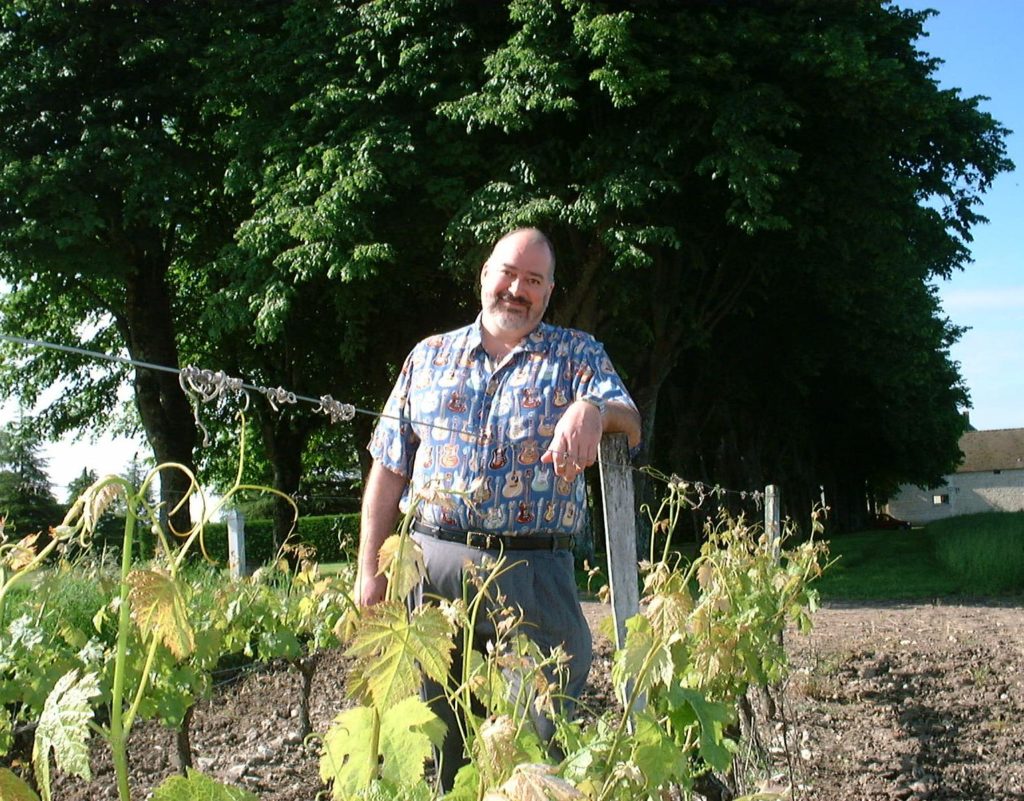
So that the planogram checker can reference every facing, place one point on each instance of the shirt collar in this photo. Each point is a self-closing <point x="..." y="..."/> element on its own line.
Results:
<point x="537" y="341"/>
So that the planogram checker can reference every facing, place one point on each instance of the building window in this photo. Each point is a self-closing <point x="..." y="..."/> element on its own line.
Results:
<point x="940" y="500"/>
<point x="996" y="472"/>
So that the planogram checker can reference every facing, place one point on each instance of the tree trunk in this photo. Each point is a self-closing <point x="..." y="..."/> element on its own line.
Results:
<point x="148" y="328"/>
<point x="306" y="667"/>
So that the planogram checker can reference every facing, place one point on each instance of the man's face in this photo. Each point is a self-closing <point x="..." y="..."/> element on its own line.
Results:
<point x="515" y="285"/>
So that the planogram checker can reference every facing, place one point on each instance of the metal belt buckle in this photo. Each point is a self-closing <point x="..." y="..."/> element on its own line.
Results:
<point x="482" y="539"/>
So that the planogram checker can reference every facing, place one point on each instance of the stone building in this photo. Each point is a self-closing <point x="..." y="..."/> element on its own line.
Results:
<point x="989" y="479"/>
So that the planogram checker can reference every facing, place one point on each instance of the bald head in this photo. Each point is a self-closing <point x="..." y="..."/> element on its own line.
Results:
<point x="530" y="237"/>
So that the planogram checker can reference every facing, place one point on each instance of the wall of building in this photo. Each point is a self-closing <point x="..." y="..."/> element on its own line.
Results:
<point x="967" y="493"/>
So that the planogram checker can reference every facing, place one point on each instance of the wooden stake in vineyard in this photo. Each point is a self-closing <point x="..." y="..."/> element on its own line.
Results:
<point x="620" y="530"/>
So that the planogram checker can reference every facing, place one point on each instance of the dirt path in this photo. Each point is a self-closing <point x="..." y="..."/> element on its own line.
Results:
<point x="901" y="701"/>
<point x="886" y="701"/>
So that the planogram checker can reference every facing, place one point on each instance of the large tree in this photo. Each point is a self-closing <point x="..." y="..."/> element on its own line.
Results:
<point x="735" y="185"/>
<point x="111" y="193"/>
<point x="748" y="202"/>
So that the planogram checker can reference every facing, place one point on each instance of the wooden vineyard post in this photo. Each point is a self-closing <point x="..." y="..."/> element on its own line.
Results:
<point x="236" y="544"/>
<point x="620" y="538"/>
<point x="773" y="519"/>
<point x="619" y="530"/>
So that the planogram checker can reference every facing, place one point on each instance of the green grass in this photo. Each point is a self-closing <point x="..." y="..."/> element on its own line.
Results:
<point x="991" y="559"/>
<point x="967" y="556"/>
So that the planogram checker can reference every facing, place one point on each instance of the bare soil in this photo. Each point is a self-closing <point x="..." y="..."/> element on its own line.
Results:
<point x="886" y="701"/>
<point x="907" y="702"/>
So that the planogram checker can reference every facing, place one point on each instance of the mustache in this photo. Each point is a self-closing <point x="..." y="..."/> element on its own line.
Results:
<point x="508" y="297"/>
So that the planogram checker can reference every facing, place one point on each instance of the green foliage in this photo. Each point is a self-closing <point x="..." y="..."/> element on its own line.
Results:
<point x="393" y="650"/>
<point x="197" y="787"/>
<point x="145" y="637"/>
<point x="254" y="187"/>
<point x="26" y="500"/>
<point x="707" y="631"/>
<point x="111" y="196"/>
<point x="353" y="743"/>
<point x="6" y="731"/>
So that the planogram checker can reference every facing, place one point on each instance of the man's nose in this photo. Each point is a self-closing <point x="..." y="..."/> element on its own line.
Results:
<point x="514" y="285"/>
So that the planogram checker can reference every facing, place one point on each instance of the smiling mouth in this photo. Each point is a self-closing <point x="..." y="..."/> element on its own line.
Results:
<point x="514" y="302"/>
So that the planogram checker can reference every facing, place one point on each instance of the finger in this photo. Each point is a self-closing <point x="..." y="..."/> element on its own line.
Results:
<point x="563" y="466"/>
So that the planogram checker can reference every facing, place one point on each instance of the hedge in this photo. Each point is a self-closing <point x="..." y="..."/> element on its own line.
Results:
<point x="335" y="537"/>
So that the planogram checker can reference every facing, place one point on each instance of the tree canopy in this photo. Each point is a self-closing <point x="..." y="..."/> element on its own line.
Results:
<point x="750" y="203"/>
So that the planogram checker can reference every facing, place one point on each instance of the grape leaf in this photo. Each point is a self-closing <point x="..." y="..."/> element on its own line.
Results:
<point x="392" y="647"/>
<point x="407" y="731"/>
<point x="489" y="685"/>
<point x="64" y="727"/>
<point x="715" y="747"/>
<point x="97" y="500"/>
<point x="402" y="559"/>
<point x="705" y="574"/>
<point x="643" y="648"/>
<point x="158" y="609"/>
<point x="198" y="787"/>
<point x="668" y="612"/>
<point x="534" y="783"/>
<point x="654" y="752"/>
<point x="22" y="554"/>
<point x="13" y="788"/>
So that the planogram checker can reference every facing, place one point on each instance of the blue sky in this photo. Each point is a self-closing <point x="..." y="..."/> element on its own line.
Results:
<point x="980" y="43"/>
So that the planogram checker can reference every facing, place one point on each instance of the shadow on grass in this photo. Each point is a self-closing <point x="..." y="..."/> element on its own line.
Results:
<point x="898" y="565"/>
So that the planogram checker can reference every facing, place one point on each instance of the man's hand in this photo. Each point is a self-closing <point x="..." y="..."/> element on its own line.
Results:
<point x="574" y="444"/>
<point x="371" y="589"/>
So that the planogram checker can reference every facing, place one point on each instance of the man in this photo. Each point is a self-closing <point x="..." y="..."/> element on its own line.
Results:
<point x="508" y="410"/>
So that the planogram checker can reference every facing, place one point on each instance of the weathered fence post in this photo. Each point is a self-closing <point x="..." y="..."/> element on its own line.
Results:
<point x="619" y="530"/>
<point x="236" y="544"/>
<point x="772" y="518"/>
<point x="620" y="540"/>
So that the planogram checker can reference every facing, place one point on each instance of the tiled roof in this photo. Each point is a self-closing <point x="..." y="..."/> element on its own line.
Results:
<point x="1001" y="449"/>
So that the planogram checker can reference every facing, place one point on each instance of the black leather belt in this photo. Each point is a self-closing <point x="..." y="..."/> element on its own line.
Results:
<point x="494" y="542"/>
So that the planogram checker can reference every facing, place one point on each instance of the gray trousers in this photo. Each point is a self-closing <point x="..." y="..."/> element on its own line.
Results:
<point x="543" y="585"/>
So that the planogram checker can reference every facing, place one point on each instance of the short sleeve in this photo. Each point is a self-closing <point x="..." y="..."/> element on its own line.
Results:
<point x="597" y="377"/>
<point x="394" y="442"/>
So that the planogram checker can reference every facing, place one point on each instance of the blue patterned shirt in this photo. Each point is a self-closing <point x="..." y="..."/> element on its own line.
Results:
<point x="453" y="423"/>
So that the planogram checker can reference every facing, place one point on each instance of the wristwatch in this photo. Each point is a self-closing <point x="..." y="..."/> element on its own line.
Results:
<point x="600" y="403"/>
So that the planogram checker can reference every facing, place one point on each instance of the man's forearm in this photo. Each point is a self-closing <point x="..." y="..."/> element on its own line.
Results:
<point x="622" y="419"/>
<point x="379" y="514"/>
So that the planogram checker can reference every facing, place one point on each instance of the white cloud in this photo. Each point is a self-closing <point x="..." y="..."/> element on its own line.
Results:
<point x="957" y="301"/>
